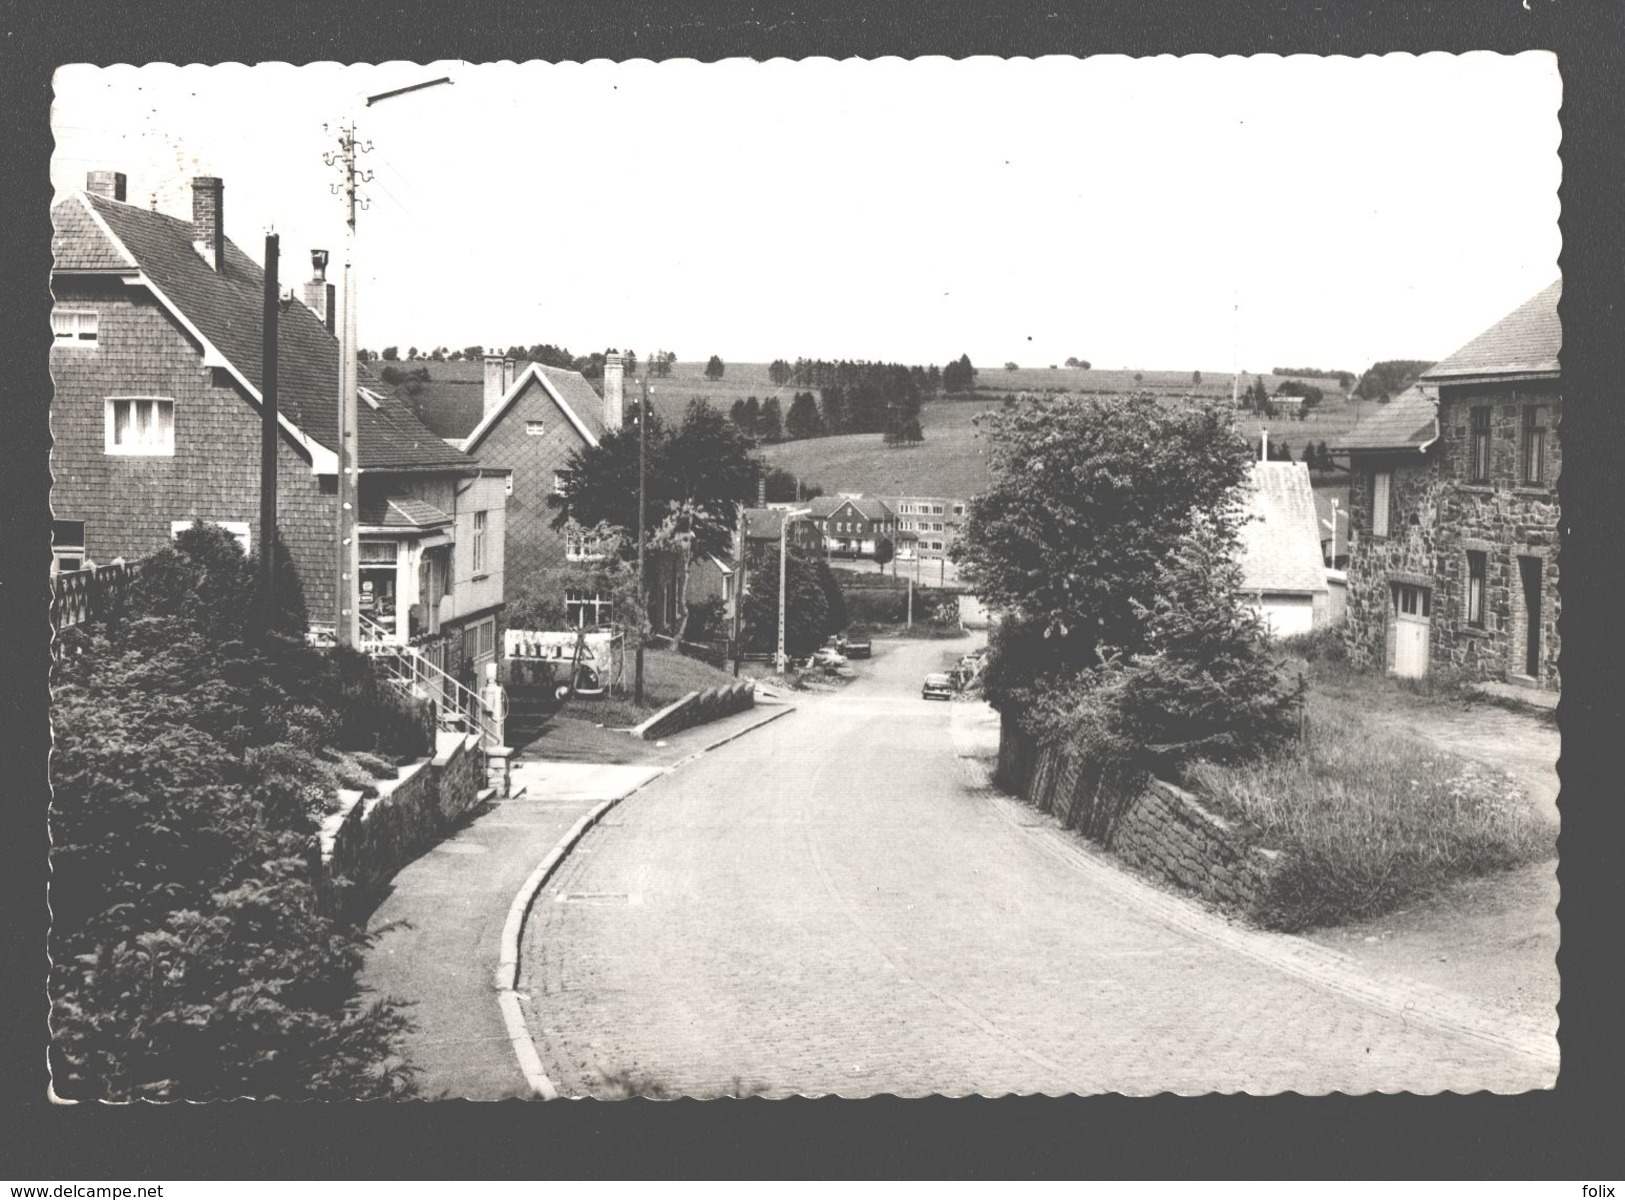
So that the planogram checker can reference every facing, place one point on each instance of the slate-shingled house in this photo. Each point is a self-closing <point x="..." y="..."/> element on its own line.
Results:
<point x="156" y="421"/>
<point x="526" y="418"/>
<point x="1454" y="514"/>
<point x="1283" y="571"/>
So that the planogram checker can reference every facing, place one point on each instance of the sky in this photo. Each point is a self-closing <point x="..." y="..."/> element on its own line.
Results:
<point x="1159" y="213"/>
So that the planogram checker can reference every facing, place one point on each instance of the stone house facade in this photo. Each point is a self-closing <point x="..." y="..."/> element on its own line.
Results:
<point x="1455" y="516"/>
<point x="156" y="418"/>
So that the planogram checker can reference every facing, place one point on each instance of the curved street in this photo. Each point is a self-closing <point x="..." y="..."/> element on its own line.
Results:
<point x="838" y="903"/>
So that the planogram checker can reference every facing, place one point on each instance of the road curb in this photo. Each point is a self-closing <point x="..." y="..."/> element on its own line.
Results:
<point x="507" y="972"/>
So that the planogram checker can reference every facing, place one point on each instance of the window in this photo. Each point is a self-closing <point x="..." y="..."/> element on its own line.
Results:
<point x="485" y="638"/>
<point x="479" y="543"/>
<point x="1411" y="600"/>
<point x="378" y="552"/>
<point x="534" y="429"/>
<point x="589" y="609"/>
<point x="936" y="510"/>
<point x="1534" y="445"/>
<point x="1478" y="444"/>
<point x="237" y="529"/>
<point x="75" y="326"/>
<point x="580" y="546"/>
<point x="68" y="545"/>
<point x="558" y="484"/>
<point x="140" y="425"/>
<point x="1381" y="485"/>
<point x="1477" y="566"/>
<point x="959" y="510"/>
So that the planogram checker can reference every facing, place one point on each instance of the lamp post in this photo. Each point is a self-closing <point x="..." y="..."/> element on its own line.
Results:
<point x="784" y="544"/>
<point x="643" y="599"/>
<point x="347" y="627"/>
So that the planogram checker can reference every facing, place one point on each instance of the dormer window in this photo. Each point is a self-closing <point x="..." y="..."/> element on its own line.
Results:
<point x="75" y="326"/>
<point x="534" y="429"/>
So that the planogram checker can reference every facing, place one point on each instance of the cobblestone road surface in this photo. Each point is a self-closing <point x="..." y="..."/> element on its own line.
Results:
<point x="838" y="904"/>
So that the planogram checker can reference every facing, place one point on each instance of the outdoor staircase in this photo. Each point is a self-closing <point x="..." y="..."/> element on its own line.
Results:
<point x="456" y="705"/>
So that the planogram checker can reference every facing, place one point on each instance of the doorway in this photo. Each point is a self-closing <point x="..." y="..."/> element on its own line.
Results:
<point x="1529" y="568"/>
<point x="1412" y="620"/>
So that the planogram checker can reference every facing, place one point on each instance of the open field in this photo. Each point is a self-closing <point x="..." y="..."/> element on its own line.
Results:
<point x="952" y="460"/>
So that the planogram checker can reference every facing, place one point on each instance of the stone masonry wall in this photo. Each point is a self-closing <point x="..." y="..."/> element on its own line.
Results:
<point x="1160" y="829"/>
<point x="1506" y="519"/>
<point x="1405" y="555"/>
<point x="697" y="708"/>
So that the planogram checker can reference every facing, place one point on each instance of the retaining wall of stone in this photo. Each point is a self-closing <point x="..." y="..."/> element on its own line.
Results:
<point x="697" y="708"/>
<point x="1158" y="828"/>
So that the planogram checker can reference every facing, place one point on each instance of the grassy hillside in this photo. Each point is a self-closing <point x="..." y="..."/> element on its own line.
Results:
<point x="952" y="460"/>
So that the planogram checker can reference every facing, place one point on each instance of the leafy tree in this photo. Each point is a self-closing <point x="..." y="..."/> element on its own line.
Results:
<point x="1085" y="499"/>
<point x="1010" y="366"/>
<point x="392" y="353"/>
<point x="959" y="376"/>
<point x="412" y="352"/>
<point x="752" y="424"/>
<point x="804" y="420"/>
<point x="784" y="488"/>
<point x="714" y="368"/>
<point x="473" y="353"/>
<point x="695" y="481"/>
<point x="1196" y="377"/>
<point x="438" y="354"/>
<point x="836" y="617"/>
<point x="1138" y="376"/>
<point x="1072" y="360"/>
<point x="1206" y="684"/>
<point x="885" y="551"/>
<point x="1384" y="380"/>
<point x="807" y="617"/>
<point x="771" y="423"/>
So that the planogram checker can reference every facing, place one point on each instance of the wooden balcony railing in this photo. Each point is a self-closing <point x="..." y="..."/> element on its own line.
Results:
<point x="78" y="597"/>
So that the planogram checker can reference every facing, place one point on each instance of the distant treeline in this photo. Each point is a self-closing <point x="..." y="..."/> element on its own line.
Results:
<point x="1344" y="378"/>
<point x="1387" y="379"/>
<point x="853" y="397"/>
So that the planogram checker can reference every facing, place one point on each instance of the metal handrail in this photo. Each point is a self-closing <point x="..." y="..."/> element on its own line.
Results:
<point x="411" y="671"/>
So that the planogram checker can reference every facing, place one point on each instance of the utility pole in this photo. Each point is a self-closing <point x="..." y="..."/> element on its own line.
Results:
<point x="347" y="626"/>
<point x="266" y="602"/>
<point x="643" y="598"/>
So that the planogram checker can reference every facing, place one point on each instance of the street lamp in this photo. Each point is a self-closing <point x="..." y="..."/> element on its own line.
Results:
<point x="790" y="515"/>
<point x="348" y="623"/>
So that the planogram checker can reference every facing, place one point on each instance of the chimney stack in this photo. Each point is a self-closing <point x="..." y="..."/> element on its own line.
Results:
<point x="209" y="220"/>
<point x="507" y="373"/>
<point x="614" y="385"/>
<point x="498" y="373"/>
<point x="319" y="294"/>
<point x="106" y="183"/>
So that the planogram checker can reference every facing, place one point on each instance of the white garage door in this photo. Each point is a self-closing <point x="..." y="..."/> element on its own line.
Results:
<point x="1286" y="616"/>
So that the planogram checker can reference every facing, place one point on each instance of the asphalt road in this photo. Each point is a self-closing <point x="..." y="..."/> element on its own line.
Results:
<point x="838" y="903"/>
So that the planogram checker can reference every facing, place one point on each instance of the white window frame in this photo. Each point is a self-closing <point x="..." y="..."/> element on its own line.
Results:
<point x="603" y="610"/>
<point x="478" y="544"/>
<point x="237" y="529"/>
<point x="581" y="546"/>
<point x="1382" y="486"/>
<point x="160" y="447"/>
<point x="535" y="428"/>
<point x="558" y="484"/>
<point x="76" y="327"/>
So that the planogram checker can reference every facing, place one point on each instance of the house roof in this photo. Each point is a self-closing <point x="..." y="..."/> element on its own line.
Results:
<point x="402" y="512"/>
<point x="1407" y="422"/>
<point x="225" y="310"/>
<point x="762" y="524"/>
<point x="1521" y="344"/>
<point x="1280" y="543"/>
<point x="871" y="508"/>
<point x="451" y="401"/>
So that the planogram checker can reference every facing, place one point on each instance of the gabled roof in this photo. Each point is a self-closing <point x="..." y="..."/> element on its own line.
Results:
<point x="1280" y="544"/>
<point x="559" y="386"/>
<point x="871" y="508"/>
<point x="1523" y="344"/>
<point x="224" y="311"/>
<point x="451" y="401"/>
<point x="402" y="512"/>
<point x="763" y="524"/>
<point x="1407" y="422"/>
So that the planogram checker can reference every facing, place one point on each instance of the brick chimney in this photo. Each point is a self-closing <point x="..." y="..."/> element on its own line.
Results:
<point x="209" y="220"/>
<point x="319" y="294"/>
<point x="614" y="387"/>
<point x="498" y="377"/>
<point x="106" y="183"/>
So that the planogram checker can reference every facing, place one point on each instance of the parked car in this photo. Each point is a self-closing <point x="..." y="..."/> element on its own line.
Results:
<point x="937" y="684"/>
<point x="828" y="656"/>
<point x="858" y="645"/>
